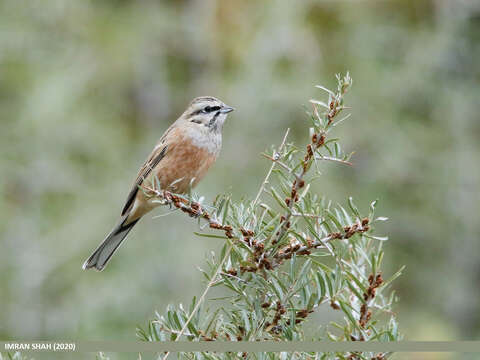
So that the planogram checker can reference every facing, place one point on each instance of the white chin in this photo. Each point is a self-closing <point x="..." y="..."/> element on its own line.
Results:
<point x="220" y="120"/>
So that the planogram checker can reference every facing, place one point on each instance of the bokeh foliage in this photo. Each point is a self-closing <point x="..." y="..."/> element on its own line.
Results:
<point x="87" y="87"/>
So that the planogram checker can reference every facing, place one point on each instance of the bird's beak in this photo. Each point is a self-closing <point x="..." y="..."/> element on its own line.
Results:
<point x="226" y="109"/>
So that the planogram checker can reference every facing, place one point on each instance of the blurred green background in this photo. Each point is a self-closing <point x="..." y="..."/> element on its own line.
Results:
<point x="87" y="87"/>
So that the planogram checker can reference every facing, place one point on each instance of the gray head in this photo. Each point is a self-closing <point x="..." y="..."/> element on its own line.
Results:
<point x="207" y="111"/>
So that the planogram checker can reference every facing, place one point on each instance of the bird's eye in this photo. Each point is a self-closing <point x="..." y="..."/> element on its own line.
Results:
<point x="209" y="109"/>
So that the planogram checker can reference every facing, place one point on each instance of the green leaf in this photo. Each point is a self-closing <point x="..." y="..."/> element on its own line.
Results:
<point x="325" y="89"/>
<point x="320" y="283"/>
<point x="347" y="216"/>
<point x="334" y="220"/>
<point x="393" y="277"/>
<point x="276" y="288"/>
<point x="246" y="321"/>
<point x="373" y="205"/>
<point x="292" y="266"/>
<point x="347" y="311"/>
<point x="356" y="280"/>
<point x="225" y="210"/>
<point x="353" y="207"/>
<point x="278" y="199"/>
<point x="379" y="238"/>
<point x="210" y="235"/>
<point x="329" y="285"/>
<point x="268" y="226"/>
<point x="305" y="268"/>
<point x="355" y="291"/>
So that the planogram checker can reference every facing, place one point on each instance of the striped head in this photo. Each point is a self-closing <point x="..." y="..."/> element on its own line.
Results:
<point x="207" y="112"/>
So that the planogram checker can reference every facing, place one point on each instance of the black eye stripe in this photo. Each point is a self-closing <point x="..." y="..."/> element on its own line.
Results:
<point x="206" y="110"/>
<point x="211" y="108"/>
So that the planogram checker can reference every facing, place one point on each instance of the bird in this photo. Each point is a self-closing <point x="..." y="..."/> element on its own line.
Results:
<point x="179" y="160"/>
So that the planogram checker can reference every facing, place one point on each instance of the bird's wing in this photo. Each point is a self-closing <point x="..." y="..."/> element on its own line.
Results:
<point x="155" y="157"/>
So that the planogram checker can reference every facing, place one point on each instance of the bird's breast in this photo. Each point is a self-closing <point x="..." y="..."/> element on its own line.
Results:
<point x="186" y="162"/>
<point x="205" y="138"/>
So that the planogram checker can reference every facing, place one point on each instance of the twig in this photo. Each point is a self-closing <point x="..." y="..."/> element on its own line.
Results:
<point x="278" y="162"/>
<point x="265" y="182"/>
<point x="375" y="281"/>
<point x="318" y="140"/>
<point x="287" y="251"/>
<point x="192" y="208"/>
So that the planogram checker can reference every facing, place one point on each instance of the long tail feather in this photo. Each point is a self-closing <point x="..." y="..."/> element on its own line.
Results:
<point x="104" y="252"/>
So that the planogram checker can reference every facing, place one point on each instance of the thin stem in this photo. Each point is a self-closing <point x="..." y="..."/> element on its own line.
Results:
<point x="265" y="182"/>
<point x="278" y="162"/>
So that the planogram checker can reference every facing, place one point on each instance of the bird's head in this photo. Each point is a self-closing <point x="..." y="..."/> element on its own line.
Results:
<point x="207" y="111"/>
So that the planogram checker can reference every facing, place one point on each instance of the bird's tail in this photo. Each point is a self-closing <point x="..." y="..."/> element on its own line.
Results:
<point x="104" y="252"/>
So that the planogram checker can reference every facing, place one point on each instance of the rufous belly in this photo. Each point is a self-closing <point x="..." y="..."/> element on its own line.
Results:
<point x="183" y="166"/>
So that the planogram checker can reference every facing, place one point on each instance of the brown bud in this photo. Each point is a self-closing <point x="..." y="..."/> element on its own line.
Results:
<point x="302" y="313"/>
<point x="363" y="309"/>
<point x="369" y="315"/>
<point x="309" y="150"/>
<point x="321" y="141"/>
<point x="268" y="265"/>
<point x="195" y="206"/>
<point x="215" y="225"/>
<point x="304" y="252"/>
<point x="334" y="305"/>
